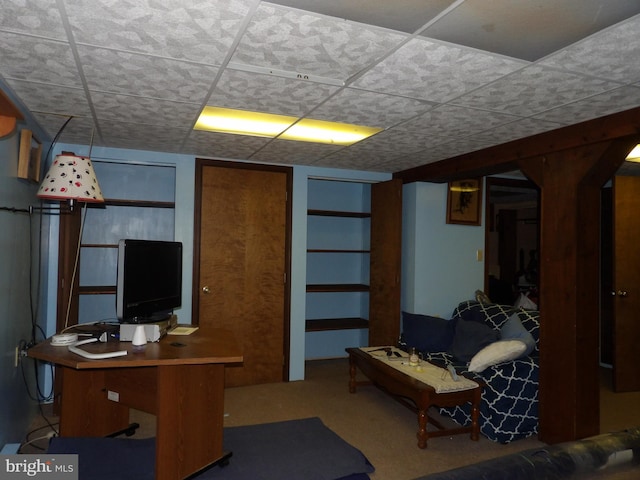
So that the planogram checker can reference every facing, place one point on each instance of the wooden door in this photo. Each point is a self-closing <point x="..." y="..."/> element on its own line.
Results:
<point x="626" y="284"/>
<point x="242" y="263"/>
<point x="386" y="260"/>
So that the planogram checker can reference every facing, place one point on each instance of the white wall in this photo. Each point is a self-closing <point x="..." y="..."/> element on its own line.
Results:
<point x="439" y="261"/>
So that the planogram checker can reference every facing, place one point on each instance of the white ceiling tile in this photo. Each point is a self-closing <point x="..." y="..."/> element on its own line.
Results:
<point x="520" y="128"/>
<point x="223" y="145"/>
<point x="37" y="60"/>
<point x="373" y="109"/>
<point x="434" y="71"/>
<point x="311" y="44"/>
<point x="63" y="101"/>
<point x="164" y="138"/>
<point x="78" y="130"/>
<point x="401" y="15"/>
<point x="529" y="29"/>
<point x="129" y="109"/>
<point x="455" y="121"/>
<point x="606" y="103"/>
<point x="289" y="152"/>
<point x="142" y="75"/>
<point x="533" y="90"/>
<point x="36" y="17"/>
<point x="197" y="30"/>
<point x="611" y="54"/>
<point x="397" y="139"/>
<point x="267" y="93"/>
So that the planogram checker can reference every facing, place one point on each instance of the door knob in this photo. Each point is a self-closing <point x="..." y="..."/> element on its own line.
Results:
<point x="205" y="290"/>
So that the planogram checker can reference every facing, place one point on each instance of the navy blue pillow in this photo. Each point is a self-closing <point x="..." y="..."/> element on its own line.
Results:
<point x="426" y="333"/>
<point x="471" y="337"/>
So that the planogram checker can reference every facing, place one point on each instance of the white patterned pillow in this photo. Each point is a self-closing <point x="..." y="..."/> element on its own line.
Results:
<point x="496" y="352"/>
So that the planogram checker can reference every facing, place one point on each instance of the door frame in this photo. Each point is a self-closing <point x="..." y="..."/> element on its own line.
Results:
<point x="201" y="163"/>
<point x="490" y="220"/>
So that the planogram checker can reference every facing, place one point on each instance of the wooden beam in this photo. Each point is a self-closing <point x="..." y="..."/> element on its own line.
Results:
<point x="570" y="181"/>
<point x="506" y="157"/>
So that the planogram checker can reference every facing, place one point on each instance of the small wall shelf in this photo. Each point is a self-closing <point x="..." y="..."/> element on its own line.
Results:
<point x="324" y="324"/>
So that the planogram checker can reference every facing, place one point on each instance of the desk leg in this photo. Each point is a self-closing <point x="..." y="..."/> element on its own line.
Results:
<point x="85" y="410"/>
<point x="189" y="419"/>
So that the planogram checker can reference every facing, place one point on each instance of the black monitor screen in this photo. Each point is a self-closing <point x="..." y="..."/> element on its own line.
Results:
<point x="149" y="280"/>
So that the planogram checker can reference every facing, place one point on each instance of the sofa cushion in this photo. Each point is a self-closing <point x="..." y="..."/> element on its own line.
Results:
<point x="514" y="330"/>
<point x="426" y="333"/>
<point x="496" y="316"/>
<point x="470" y="337"/>
<point x="497" y="352"/>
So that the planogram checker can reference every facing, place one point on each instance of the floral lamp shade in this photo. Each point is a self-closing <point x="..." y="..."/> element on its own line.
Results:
<point x="71" y="177"/>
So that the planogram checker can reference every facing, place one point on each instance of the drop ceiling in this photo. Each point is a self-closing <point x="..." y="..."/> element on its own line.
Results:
<point x="441" y="77"/>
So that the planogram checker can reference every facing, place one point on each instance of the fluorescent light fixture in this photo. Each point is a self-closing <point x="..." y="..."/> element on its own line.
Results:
<point x="634" y="155"/>
<point x="334" y="133"/>
<point x="242" y="122"/>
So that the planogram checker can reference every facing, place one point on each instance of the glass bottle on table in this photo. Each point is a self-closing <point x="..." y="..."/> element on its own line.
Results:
<point x="414" y="360"/>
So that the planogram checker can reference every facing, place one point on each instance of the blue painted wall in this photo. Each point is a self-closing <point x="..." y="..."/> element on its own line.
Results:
<point x="19" y="300"/>
<point x="439" y="261"/>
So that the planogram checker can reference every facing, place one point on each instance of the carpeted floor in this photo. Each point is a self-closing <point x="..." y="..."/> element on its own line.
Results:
<point x="293" y="449"/>
<point x="380" y="427"/>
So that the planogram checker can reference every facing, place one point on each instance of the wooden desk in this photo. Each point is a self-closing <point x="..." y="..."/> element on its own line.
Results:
<point x="179" y="379"/>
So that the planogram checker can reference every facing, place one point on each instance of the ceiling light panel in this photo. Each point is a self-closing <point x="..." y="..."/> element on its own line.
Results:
<point x="241" y="122"/>
<point x="333" y="133"/>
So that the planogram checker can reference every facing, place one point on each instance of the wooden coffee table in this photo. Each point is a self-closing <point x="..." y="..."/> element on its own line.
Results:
<point x="414" y="394"/>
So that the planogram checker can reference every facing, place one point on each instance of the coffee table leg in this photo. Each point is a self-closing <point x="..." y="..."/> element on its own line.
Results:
<point x="475" y="415"/>
<point x="352" y="375"/>
<point x="422" y="428"/>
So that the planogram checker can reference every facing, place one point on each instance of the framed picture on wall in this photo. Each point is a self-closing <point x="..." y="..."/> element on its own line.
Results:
<point x="464" y="198"/>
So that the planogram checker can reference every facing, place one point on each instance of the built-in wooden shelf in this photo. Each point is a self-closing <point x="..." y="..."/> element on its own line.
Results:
<point x="335" y="250"/>
<point x="337" y="287"/>
<point x="97" y="290"/>
<point x="335" y="213"/>
<point x="116" y="202"/>
<point x="325" y="324"/>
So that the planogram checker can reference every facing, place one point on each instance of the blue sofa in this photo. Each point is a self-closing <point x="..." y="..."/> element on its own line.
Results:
<point x="509" y="408"/>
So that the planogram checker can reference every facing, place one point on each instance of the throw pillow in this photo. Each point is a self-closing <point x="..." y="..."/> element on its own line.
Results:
<point x="426" y="333"/>
<point x="514" y="330"/>
<point x="470" y="337"/>
<point x="496" y="352"/>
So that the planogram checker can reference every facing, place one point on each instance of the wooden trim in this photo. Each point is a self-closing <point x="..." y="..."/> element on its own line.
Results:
<point x="506" y="157"/>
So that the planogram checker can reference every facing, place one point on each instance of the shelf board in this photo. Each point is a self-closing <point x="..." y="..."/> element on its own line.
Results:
<point x="116" y="202"/>
<point x="335" y="250"/>
<point x="337" y="287"/>
<point x="335" y="213"/>
<point x="99" y="245"/>
<point x="97" y="290"/>
<point x="325" y="324"/>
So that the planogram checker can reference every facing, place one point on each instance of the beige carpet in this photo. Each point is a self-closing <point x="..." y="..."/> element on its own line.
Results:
<point x="380" y="427"/>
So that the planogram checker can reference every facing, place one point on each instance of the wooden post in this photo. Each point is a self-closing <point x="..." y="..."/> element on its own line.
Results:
<point x="570" y="182"/>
